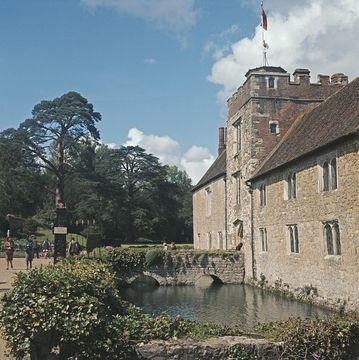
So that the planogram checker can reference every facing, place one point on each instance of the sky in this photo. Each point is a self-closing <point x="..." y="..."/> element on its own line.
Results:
<point x="160" y="71"/>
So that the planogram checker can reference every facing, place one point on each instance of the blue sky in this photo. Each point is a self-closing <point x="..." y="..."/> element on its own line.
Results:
<point x="162" y="68"/>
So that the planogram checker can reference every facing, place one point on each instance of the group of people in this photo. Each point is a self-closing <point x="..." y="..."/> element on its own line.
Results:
<point x="32" y="248"/>
<point x="171" y="246"/>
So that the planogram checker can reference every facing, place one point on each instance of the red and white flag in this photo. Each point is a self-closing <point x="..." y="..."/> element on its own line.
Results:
<point x="264" y="22"/>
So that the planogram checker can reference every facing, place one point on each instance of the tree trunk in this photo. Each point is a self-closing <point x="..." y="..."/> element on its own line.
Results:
<point x="60" y="183"/>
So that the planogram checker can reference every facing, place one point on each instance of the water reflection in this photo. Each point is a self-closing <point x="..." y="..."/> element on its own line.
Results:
<point x="226" y="304"/>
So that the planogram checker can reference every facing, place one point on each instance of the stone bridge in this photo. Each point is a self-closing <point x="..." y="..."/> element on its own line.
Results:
<point x="189" y="268"/>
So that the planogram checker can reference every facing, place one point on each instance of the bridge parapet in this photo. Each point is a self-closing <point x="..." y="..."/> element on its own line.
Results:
<point x="188" y="268"/>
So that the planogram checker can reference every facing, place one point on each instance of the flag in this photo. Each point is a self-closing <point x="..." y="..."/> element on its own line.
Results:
<point x="264" y="22"/>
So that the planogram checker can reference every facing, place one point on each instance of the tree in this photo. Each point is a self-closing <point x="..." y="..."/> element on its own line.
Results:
<point x="18" y="170"/>
<point x="55" y="129"/>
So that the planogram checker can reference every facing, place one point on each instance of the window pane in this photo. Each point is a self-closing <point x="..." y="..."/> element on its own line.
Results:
<point x="296" y="239"/>
<point x="294" y="186"/>
<point x="291" y="239"/>
<point x="337" y="240"/>
<point x="271" y="82"/>
<point x="289" y="184"/>
<point x="266" y="241"/>
<point x="273" y="128"/>
<point x="325" y="176"/>
<point x="334" y="173"/>
<point x="329" y="239"/>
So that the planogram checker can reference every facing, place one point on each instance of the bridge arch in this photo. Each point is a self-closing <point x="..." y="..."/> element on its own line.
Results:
<point x="208" y="279"/>
<point x="146" y="278"/>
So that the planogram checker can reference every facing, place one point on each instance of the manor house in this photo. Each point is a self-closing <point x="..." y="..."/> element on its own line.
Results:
<point x="285" y="183"/>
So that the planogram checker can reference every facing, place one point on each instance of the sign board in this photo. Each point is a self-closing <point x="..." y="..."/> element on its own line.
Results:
<point x="60" y="230"/>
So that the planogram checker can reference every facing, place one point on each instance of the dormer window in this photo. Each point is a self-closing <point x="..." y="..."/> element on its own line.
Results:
<point x="271" y="82"/>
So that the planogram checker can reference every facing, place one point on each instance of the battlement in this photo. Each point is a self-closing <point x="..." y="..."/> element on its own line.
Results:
<point x="275" y="82"/>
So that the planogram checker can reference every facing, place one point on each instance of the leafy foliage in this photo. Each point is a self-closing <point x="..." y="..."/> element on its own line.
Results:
<point x="330" y="339"/>
<point x="154" y="257"/>
<point x="125" y="260"/>
<point x="70" y="307"/>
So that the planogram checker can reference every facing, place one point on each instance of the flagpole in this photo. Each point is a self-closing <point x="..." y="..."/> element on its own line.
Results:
<point x="264" y="45"/>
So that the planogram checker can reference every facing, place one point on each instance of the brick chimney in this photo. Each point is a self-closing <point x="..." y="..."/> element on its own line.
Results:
<point x="301" y="76"/>
<point x="339" y="78"/>
<point x="323" y="79"/>
<point x="221" y="140"/>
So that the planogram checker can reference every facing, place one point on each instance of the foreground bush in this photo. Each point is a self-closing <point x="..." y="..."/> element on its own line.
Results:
<point x="69" y="308"/>
<point x="73" y="309"/>
<point x="332" y="338"/>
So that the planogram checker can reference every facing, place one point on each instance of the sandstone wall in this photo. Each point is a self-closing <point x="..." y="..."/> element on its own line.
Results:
<point x="211" y="349"/>
<point x="186" y="269"/>
<point x="330" y="279"/>
<point x="209" y="229"/>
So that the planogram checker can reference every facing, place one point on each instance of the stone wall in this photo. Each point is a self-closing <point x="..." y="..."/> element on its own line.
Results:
<point x="211" y="349"/>
<point x="209" y="229"/>
<point x="188" y="268"/>
<point x="312" y="273"/>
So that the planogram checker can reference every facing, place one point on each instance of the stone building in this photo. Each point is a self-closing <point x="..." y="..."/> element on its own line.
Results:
<point x="209" y="204"/>
<point x="291" y="179"/>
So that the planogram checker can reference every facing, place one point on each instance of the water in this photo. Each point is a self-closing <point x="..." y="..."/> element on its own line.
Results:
<point x="226" y="304"/>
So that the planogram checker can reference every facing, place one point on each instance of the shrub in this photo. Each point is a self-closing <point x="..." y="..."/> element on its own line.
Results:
<point x="71" y="307"/>
<point x="332" y="338"/>
<point x="154" y="257"/>
<point x="124" y="260"/>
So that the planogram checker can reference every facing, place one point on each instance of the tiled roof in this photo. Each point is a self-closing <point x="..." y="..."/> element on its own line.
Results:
<point x="332" y="120"/>
<point x="217" y="169"/>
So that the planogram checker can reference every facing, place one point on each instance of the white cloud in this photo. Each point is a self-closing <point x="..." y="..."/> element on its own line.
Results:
<point x="111" y="145"/>
<point x="195" y="161"/>
<point x="176" y="15"/>
<point x="164" y="147"/>
<point x="316" y="34"/>
<point x="150" y="61"/>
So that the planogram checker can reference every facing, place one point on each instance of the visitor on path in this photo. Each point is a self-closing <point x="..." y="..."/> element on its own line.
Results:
<point x="165" y="247"/>
<point x="29" y="253"/>
<point x="36" y="249"/>
<point x="74" y="247"/>
<point x="46" y="249"/>
<point x="9" y="247"/>
<point x="173" y="246"/>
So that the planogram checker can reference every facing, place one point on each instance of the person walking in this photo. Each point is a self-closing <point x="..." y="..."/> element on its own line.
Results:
<point x="46" y="248"/>
<point x="74" y="247"/>
<point x="29" y="253"/>
<point x="9" y="247"/>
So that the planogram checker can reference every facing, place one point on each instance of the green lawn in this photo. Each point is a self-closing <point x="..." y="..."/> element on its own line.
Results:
<point x="44" y="233"/>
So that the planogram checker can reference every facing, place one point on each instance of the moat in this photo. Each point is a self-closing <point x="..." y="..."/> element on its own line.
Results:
<point x="224" y="304"/>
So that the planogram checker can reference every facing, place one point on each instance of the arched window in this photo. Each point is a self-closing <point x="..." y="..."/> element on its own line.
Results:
<point x="333" y="170"/>
<point x="329" y="239"/>
<point x="338" y="250"/>
<point x="325" y="176"/>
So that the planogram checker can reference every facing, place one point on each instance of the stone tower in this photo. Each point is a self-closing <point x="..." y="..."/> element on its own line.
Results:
<point x="260" y="113"/>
